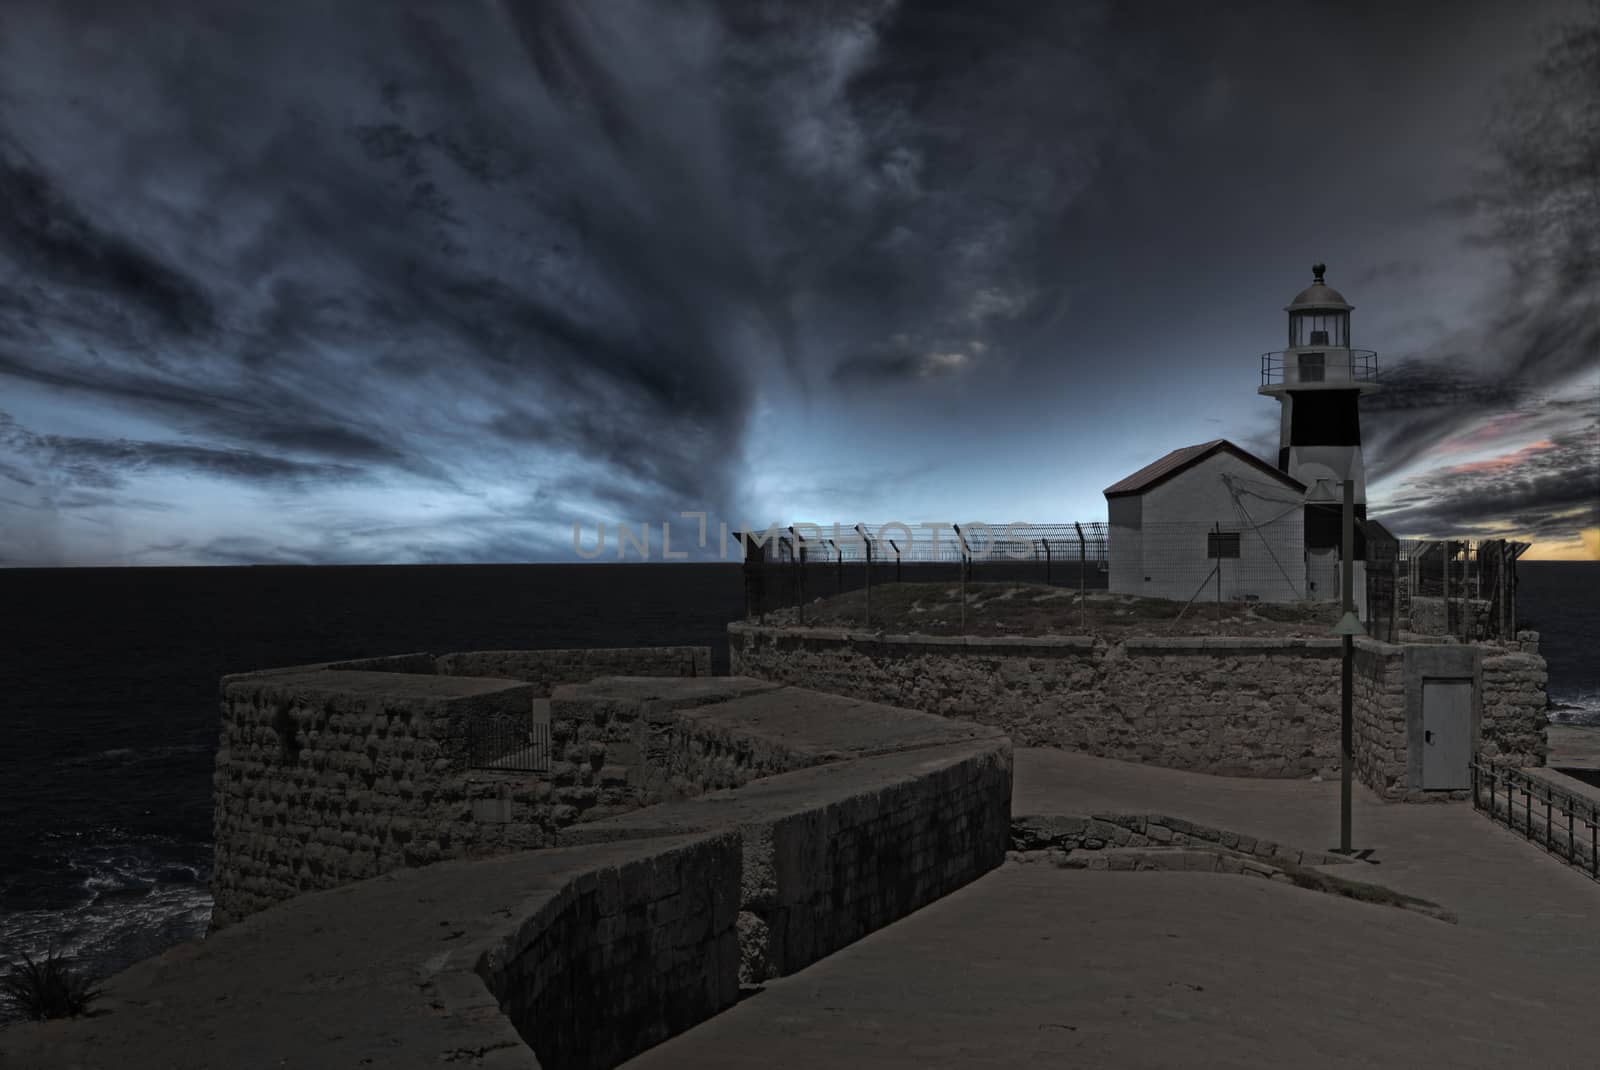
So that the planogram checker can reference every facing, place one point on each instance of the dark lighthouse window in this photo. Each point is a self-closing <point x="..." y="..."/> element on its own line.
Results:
<point x="1324" y="417"/>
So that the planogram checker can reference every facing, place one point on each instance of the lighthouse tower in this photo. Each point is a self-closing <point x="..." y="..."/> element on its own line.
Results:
<point x="1318" y="382"/>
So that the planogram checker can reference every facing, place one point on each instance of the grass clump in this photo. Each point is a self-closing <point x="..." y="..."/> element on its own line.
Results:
<point x="49" y="988"/>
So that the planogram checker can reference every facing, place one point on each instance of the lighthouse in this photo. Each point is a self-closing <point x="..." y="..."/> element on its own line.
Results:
<point x="1318" y="381"/>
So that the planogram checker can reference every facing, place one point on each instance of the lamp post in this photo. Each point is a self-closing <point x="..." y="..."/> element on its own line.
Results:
<point x="1348" y="628"/>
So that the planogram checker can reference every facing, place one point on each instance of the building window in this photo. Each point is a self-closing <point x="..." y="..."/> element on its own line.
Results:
<point x="1222" y="544"/>
<point x="1311" y="367"/>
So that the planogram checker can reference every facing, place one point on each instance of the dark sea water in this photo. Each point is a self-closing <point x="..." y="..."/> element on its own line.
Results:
<point x="1561" y="601"/>
<point x="108" y="701"/>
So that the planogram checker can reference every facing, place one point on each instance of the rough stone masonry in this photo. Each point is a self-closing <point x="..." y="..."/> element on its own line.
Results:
<point x="1232" y="706"/>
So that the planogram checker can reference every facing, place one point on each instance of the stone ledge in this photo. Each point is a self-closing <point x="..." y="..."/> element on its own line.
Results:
<point x="812" y="726"/>
<point x="654" y="697"/>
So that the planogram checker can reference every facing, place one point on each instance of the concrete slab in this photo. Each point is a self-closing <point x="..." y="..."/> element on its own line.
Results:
<point x="1574" y="746"/>
<point x="1493" y="880"/>
<point x="689" y="689"/>
<point x="1037" y="966"/>
<point x="827" y="727"/>
<point x="789" y="794"/>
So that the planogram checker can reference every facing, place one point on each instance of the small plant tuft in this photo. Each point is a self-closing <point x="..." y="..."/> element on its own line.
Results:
<point x="50" y="988"/>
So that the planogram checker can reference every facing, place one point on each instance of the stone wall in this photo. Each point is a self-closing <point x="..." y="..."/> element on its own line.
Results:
<point x="1463" y="616"/>
<point x="1239" y="707"/>
<point x="1515" y="718"/>
<point x="580" y="955"/>
<point x="1243" y="707"/>
<point x="1381" y="740"/>
<point x="332" y="773"/>
<point x="333" y="776"/>
<point x="623" y="957"/>
<point x="824" y="861"/>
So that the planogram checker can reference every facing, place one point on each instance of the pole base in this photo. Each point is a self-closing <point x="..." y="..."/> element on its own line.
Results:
<point x="1360" y="854"/>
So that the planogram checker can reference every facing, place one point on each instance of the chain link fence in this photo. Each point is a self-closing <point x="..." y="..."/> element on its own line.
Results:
<point x="1459" y="587"/>
<point x="1224" y="576"/>
<point x="790" y="568"/>
<point x="1227" y="576"/>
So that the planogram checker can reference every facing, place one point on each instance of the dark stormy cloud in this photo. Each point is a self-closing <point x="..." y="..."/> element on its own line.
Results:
<point x="427" y="282"/>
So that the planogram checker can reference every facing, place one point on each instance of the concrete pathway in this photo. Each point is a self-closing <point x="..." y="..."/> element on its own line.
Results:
<point x="1038" y="966"/>
<point x="1492" y="879"/>
<point x="1034" y="965"/>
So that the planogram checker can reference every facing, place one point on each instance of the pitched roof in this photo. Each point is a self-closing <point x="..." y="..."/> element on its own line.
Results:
<point x="1187" y="457"/>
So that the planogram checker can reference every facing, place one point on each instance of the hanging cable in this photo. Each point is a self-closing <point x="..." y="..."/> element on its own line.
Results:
<point x="1228" y="481"/>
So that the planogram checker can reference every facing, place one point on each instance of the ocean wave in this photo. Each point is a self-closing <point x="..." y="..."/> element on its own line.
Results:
<point x="1575" y="707"/>
<point x="107" y="934"/>
<point x="104" y="899"/>
<point x="132" y="756"/>
<point x="109" y="904"/>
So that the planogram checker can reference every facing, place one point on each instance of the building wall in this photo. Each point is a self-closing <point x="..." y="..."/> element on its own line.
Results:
<point x="1124" y="544"/>
<point x="1200" y="494"/>
<point x="1170" y="543"/>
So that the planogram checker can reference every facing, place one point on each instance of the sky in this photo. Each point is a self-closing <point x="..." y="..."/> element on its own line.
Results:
<point x="435" y="282"/>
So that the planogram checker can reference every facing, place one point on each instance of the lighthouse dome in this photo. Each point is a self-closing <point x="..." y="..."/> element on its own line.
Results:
<point x="1318" y="295"/>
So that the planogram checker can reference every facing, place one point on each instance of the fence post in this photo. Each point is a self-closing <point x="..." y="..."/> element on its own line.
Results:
<point x="1083" y="590"/>
<point x="1046" y="561"/>
<point x="1444" y="559"/>
<point x="1217" y="526"/>
<point x="867" y="542"/>
<point x="800" y="578"/>
<point x="961" y="552"/>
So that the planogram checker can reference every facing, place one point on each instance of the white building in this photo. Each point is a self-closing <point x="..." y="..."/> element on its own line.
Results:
<point x="1173" y="520"/>
<point x="1211" y="520"/>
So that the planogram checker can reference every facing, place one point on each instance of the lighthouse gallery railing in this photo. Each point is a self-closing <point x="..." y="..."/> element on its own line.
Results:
<point x="1361" y="366"/>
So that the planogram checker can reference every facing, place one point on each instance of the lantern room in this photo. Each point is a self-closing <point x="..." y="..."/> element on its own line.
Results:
<point x="1319" y="356"/>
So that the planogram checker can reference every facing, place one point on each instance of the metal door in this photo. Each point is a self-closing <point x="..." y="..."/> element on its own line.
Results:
<point x="1446" y="734"/>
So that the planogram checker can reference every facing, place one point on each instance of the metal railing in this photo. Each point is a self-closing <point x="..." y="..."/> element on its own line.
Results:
<point x="1337" y="366"/>
<point x="1548" y="817"/>
<point x="508" y="745"/>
